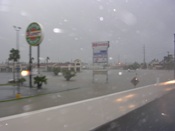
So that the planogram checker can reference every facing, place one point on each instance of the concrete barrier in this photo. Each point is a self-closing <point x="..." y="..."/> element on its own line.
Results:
<point x="87" y="114"/>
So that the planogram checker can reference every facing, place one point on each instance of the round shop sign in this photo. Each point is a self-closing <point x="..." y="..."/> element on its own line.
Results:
<point x="34" y="34"/>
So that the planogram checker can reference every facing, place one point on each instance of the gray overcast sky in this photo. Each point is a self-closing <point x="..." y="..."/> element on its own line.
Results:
<point x="70" y="26"/>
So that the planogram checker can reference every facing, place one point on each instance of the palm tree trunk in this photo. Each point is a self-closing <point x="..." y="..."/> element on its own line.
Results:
<point x="39" y="85"/>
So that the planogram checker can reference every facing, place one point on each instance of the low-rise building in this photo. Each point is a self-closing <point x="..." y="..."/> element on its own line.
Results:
<point x="155" y="64"/>
<point x="76" y="66"/>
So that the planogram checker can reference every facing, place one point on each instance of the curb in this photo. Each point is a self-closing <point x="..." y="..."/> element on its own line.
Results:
<point x="26" y="97"/>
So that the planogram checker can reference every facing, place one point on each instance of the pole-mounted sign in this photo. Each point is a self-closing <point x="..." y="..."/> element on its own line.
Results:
<point x="100" y="52"/>
<point x="34" y="35"/>
<point x="100" y="58"/>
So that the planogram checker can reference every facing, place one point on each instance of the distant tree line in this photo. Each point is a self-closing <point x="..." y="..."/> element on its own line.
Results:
<point x="167" y="63"/>
<point x="133" y="66"/>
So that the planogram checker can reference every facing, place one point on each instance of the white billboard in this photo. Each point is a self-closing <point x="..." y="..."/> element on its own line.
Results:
<point x="100" y="52"/>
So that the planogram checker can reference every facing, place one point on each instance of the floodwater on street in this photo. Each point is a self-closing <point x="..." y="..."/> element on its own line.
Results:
<point x="118" y="80"/>
<point x="4" y="77"/>
<point x="78" y="88"/>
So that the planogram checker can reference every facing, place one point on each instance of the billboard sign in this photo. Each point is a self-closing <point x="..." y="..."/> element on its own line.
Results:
<point x="100" y="52"/>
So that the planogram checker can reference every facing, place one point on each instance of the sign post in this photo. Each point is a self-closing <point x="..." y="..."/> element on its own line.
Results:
<point x="100" y="58"/>
<point x="34" y="37"/>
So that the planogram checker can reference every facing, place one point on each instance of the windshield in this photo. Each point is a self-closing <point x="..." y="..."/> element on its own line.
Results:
<point x="58" y="52"/>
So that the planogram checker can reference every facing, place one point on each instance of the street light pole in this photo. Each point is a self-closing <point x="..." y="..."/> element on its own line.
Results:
<point x="17" y="29"/>
<point x="174" y="56"/>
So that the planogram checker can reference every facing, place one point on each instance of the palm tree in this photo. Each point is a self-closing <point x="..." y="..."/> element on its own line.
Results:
<point x="39" y="80"/>
<point x="32" y="59"/>
<point x="14" y="56"/>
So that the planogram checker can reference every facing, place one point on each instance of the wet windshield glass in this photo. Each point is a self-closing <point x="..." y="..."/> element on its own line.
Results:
<point x="58" y="52"/>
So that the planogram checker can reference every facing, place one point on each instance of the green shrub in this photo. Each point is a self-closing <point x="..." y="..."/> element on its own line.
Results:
<point x="56" y="70"/>
<point x="68" y="74"/>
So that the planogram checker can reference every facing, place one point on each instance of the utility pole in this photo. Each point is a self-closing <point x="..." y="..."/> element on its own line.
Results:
<point x="47" y="61"/>
<point x="174" y="56"/>
<point x="144" y="59"/>
<point x="17" y="29"/>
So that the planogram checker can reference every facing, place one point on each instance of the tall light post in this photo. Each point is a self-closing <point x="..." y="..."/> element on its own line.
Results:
<point x="174" y="56"/>
<point x="17" y="29"/>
